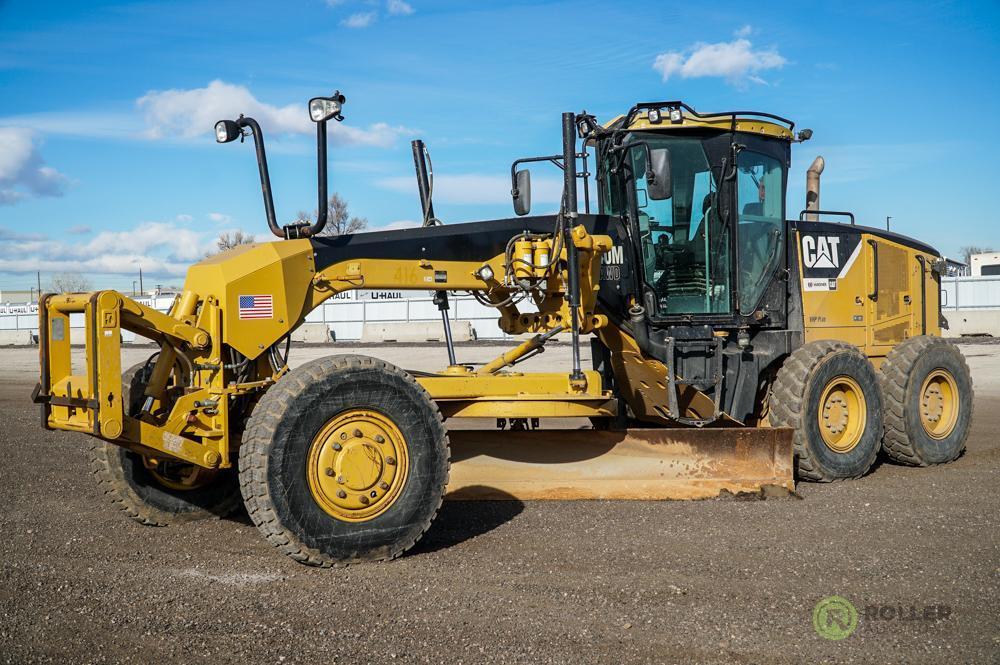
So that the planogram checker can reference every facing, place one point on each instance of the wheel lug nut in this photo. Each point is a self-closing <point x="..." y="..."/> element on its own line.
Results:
<point x="364" y="500"/>
<point x="357" y="433"/>
<point x="340" y="479"/>
<point x="337" y="446"/>
<point x="390" y="460"/>
<point x="379" y="438"/>
<point x="343" y="436"/>
<point x="329" y="471"/>
<point x="384" y="485"/>
<point x="341" y="494"/>
<point x="374" y="494"/>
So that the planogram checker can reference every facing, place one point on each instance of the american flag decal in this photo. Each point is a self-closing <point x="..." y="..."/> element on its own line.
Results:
<point x="256" y="307"/>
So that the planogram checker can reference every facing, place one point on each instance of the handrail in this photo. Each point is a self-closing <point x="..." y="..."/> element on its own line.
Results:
<point x="803" y="214"/>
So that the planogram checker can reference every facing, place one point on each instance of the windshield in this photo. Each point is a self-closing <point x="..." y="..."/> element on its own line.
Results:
<point x="685" y="247"/>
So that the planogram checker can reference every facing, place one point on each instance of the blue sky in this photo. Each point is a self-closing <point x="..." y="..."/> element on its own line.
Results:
<point x="107" y="161"/>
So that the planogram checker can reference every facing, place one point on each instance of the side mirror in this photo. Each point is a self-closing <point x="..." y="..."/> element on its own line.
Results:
<point x="522" y="192"/>
<point x="658" y="182"/>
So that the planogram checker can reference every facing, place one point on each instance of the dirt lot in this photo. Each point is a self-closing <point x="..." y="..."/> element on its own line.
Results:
<point x="562" y="582"/>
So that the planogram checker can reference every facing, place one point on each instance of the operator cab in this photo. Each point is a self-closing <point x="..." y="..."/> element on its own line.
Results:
<point x="710" y="248"/>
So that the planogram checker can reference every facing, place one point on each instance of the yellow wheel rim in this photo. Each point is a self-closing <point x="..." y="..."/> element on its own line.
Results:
<point x="179" y="475"/>
<point x="939" y="404"/>
<point x="357" y="465"/>
<point x="843" y="413"/>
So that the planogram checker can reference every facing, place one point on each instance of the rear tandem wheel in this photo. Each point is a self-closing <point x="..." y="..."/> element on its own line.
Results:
<point x="827" y="391"/>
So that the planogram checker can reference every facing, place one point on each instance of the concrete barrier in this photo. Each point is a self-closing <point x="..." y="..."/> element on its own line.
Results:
<point x="962" y="322"/>
<point x="312" y="333"/>
<point x="16" y="337"/>
<point x="416" y="331"/>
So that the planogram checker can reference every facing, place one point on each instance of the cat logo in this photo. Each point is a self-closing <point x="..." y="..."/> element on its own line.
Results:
<point x="820" y="251"/>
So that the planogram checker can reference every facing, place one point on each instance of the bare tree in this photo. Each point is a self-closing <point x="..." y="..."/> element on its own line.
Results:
<point x="969" y="250"/>
<point x="228" y="240"/>
<point x="339" y="220"/>
<point x="69" y="282"/>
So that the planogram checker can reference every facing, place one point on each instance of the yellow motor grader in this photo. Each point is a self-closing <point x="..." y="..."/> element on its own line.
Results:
<point x="731" y="348"/>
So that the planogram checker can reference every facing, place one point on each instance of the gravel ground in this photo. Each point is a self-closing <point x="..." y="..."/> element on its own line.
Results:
<point x="506" y="582"/>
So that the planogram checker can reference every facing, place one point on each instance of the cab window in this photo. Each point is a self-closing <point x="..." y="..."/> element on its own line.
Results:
<point x="761" y="224"/>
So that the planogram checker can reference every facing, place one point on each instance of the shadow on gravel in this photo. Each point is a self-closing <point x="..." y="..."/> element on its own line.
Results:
<point x="458" y="521"/>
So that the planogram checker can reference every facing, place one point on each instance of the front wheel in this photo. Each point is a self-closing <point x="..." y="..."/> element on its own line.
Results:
<point x="346" y="459"/>
<point x="159" y="492"/>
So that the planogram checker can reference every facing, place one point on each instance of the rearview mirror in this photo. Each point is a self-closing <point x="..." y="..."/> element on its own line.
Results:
<point x="522" y="192"/>
<point x="658" y="181"/>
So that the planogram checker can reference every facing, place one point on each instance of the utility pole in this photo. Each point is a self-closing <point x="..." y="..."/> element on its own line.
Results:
<point x="39" y="276"/>
<point x="140" y="279"/>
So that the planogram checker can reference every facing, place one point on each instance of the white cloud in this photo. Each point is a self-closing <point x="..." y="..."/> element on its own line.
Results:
<point x="220" y="218"/>
<point x="79" y="230"/>
<point x="162" y="249"/>
<point x="745" y="31"/>
<point x="23" y="172"/>
<point x="184" y="219"/>
<point x="399" y="8"/>
<point x="359" y="20"/>
<point x="477" y="189"/>
<point x="193" y="113"/>
<point x="735" y="61"/>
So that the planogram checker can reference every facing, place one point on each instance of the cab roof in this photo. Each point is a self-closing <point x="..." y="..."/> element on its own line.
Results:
<point x="676" y="116"/>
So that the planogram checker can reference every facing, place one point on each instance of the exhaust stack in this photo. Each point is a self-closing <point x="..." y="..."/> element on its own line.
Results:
<point x="812" y="187"/>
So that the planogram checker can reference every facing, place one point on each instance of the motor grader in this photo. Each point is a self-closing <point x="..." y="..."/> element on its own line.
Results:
<point x="731" y="348"/>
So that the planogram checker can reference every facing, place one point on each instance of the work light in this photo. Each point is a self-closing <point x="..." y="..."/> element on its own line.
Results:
<point x="322" y="109"/>
<point x="675" y="116"/>
<point x="226" y="131"/>
<point x="653" y="116"/>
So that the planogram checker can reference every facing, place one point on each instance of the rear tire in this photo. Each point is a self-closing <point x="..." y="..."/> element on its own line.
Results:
<point x="928" y="397"/>
<point x="827" y="391"/>
<point x="146" y="494"/>
<point x="346" y="459"/>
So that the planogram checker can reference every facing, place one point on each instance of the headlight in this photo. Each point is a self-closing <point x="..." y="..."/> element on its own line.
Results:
<point x="226" y="131"/>
<point x="322" y="109"/>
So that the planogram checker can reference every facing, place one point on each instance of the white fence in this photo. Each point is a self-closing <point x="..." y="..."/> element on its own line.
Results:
<point x="980" y="293"/>
<point x="345" y="314"/>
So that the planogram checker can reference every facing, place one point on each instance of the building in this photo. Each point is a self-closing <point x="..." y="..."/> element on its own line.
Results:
<point x="985" y="264"/>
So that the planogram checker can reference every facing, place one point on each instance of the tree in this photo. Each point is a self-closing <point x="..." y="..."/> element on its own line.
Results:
<point x="69" y="282"/>
<point x="969" y="250"/>
<point x="228" y="240"/>
<point x="339" y="221"/>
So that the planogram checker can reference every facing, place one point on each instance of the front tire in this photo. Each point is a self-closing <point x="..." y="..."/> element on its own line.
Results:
<point x="827" y="391"/>
<point x="164" y="492"/>
<point x="927" y="392"/>
<point x="346" y="459"/>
